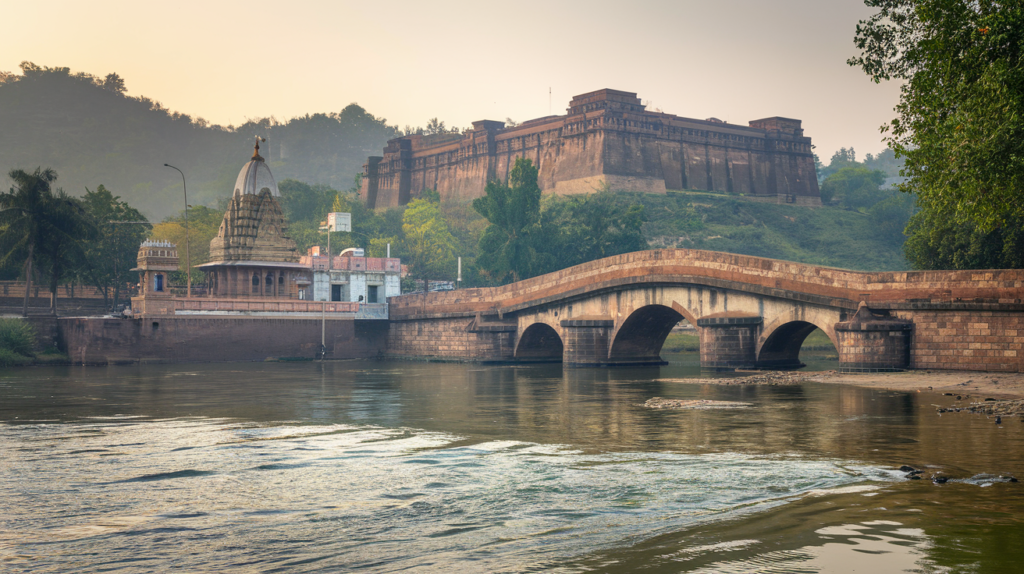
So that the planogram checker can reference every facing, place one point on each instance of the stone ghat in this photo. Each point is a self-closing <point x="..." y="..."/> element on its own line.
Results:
<point x="770" y="277"/>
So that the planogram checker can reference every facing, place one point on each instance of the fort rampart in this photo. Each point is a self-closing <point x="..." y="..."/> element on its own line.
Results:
<point x="607" y="139"/>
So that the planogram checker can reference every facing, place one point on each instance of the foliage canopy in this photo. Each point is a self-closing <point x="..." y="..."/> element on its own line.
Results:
<point x="960" y="124"/>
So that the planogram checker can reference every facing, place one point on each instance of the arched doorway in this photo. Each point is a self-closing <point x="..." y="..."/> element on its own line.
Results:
<point x="642" y="334"/>
<point x="781" y="350"/>
<point x="539" y="343"/>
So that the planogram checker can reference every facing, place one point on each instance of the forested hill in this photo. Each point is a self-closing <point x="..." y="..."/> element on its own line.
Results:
<point x="92" y="133"/>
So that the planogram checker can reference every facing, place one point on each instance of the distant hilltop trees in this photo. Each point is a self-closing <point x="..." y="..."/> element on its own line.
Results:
<point x="88" y="129"/>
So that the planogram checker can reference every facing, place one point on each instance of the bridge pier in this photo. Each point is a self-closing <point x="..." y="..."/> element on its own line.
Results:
<point x="729" y="343"/>
<point x="873" y="342"/>
<point x="586" y="341"/>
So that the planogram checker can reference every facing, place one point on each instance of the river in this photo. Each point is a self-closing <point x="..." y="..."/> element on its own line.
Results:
<point x="400" y="466"/>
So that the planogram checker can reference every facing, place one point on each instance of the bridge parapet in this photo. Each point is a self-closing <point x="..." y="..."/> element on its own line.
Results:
<point x="757" y="275"/>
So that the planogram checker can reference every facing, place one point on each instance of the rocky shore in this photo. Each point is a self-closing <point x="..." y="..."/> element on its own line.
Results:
<point x="699" y="404"/>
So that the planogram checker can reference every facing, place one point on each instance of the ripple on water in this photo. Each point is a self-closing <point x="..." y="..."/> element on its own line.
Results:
<point x="413" y="494"/>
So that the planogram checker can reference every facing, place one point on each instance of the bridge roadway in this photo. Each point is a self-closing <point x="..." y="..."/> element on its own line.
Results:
<point x="749" y="312"/>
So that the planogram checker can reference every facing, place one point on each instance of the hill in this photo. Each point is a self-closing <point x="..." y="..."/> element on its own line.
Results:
<point x="92" y="133"/>
<point x="828" y="236"/>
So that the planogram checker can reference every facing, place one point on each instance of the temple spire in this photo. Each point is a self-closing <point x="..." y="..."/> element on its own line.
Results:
<point x="256" y="150"/>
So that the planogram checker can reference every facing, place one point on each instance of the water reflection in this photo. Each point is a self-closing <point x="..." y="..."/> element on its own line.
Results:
<point x="312" y="467"/>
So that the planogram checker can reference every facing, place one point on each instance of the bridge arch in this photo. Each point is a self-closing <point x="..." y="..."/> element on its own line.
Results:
<point x="539" y="343"/>
<point x="640" y="337"/>
<point x="778" y="347"/>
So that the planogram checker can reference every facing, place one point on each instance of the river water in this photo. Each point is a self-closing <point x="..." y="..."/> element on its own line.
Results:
<point x="394" y="466"/>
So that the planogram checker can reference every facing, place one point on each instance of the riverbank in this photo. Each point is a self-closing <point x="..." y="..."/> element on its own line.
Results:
<point x="978" y="384"/>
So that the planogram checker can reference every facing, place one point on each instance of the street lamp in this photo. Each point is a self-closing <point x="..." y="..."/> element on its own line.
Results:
<point x="188" y="260"/>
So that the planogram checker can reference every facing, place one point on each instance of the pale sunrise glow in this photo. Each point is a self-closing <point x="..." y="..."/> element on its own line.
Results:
<point x="465" y="61"/>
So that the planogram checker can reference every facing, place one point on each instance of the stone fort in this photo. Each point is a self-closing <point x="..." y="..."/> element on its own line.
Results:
<point x="606" y="139"/>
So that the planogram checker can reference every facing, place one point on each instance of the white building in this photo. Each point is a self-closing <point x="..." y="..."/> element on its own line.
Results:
<point x="350" y="277"/>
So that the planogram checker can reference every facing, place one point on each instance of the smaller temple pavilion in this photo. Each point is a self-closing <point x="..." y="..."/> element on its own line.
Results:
<point x="156" y="260"/>
<point x="256" y="269"/>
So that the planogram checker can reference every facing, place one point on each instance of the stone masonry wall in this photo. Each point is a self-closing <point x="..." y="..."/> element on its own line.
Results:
<point x="967" y="340"/>
<point x="448" y="338"/>
<point x="217" y="339"/>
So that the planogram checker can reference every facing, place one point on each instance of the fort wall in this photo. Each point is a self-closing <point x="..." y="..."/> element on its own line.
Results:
<point x="607" y="139"/>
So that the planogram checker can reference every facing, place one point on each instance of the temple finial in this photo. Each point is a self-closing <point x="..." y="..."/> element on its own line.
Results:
<point x="256" y="150"/>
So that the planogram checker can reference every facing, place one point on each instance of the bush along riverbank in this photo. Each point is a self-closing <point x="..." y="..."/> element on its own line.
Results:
<point x="17" y="346"/>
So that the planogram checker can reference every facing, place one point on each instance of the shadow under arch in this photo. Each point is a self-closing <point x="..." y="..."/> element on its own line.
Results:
<point x="640" y="338"/>
<point x="539" y="343"/>
<point x="781" y="348"/>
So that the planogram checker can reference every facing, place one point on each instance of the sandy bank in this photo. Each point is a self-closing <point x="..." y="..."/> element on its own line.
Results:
<point x="977" y="384"/>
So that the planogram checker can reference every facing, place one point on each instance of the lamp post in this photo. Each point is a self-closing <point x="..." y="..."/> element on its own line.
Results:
<point x="188" y="260"/>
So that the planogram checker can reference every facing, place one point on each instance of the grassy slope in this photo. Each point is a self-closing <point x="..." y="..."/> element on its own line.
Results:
<point x="827" y="236"/>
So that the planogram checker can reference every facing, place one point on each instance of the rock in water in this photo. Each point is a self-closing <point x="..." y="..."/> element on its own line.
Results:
<point x="906" y="468"/>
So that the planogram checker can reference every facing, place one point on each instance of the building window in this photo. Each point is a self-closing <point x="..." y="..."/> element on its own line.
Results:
<point x="158" y="282"/>
<point x="255" y="283"/>
<point x="371" y="296"/>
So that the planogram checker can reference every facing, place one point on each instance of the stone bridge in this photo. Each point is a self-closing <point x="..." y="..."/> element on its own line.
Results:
<point x="749" y="312"/>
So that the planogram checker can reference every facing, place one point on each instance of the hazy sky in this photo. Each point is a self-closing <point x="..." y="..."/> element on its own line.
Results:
<point x="461" y="61"/>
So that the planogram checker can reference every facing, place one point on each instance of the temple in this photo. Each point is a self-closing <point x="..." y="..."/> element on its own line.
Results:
<point x="606" y="140"/>
<point x="255" y="268"/>
<point x="251" y="254"/>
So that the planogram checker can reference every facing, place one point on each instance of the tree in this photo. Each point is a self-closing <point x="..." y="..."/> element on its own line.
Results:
<point x="112" y="255"/>
<point x="203" y="226"/>
<point x="891" y="215"/>
<point x="25" y="211"/>
<point x="62" y="246"/>
<point x="855" y="187"/>
<point x="303" y="202"/>
<point x="960" y="124"/>
<point x="589" y="227"/>
<point x="938" y="242"/>
<point x="114" y="83"/>
<point x="508" y="246"/>
<point x="428" y="243"/>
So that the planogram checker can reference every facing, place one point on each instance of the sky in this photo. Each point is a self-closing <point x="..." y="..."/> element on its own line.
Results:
<point x="462" y="61"/>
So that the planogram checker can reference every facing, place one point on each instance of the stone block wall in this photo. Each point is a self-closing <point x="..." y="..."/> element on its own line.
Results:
<point x="586" y="341"/>
<point x="967" y="340"/>
<point x="217" y="339"/>
<point x="449" y="339"/>
<point x="729" y="343"/>
<point x="876" y="350"/>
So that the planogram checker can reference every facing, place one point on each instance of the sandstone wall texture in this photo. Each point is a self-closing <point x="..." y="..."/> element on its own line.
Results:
<point x="607" y="138"/>
<point x="454" y="339"/>
<point x="91" y="341"/>
<point x="967" y="340"/>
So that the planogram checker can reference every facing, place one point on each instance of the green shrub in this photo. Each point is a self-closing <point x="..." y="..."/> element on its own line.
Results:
<point x="9" y="358"/>
<point x="17" y="336"/>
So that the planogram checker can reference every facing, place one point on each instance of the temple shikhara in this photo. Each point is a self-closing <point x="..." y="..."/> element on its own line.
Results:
<point x="255" y="268"/>
<point x="251" y="254"/>
<point x="607" y="139"/>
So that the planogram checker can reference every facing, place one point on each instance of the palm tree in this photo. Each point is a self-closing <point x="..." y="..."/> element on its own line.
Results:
<point x="24" y="211"/>
<point x="41" y="223"/>
<point x="66" y="227"/>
